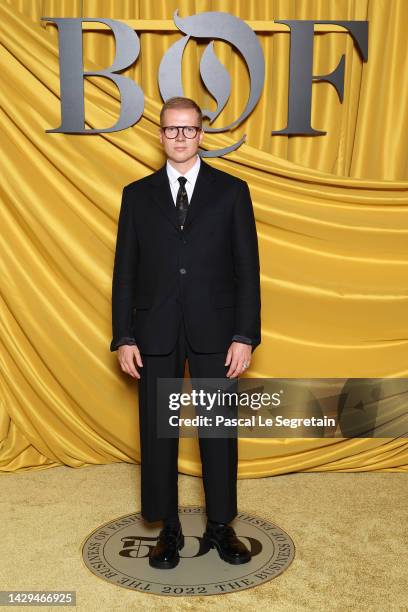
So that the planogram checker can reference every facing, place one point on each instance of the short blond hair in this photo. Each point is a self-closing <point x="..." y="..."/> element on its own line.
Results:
<point x="181" y="102"/>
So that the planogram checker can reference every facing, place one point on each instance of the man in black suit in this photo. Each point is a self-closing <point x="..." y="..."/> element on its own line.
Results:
<point x="186" y="285"/>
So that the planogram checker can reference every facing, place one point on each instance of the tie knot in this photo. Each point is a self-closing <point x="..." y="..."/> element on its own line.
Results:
<point x="182" y="180"/>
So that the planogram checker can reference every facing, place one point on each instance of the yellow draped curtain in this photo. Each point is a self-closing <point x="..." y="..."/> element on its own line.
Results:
<point x="331" y="213"/>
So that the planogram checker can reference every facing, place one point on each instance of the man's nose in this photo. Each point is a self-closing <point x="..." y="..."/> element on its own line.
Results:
<point x="180" y="135"/>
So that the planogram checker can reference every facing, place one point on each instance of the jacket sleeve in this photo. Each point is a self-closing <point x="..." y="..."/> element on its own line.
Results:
<point x="246" y="268"/>
<point x="124" y="275"/>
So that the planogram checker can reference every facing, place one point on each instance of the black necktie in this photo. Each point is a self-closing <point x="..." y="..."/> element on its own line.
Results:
<point x="182" y="201"/>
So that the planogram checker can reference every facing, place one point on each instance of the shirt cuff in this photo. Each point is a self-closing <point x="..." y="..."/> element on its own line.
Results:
<point x="121" y="341"/>
<point x="242" y="339"/>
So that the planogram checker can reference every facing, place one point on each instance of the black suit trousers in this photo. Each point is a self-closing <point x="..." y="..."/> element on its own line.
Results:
<point x="159" y="456"/>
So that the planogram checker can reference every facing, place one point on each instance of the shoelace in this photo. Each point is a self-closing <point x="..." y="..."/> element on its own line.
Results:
<point x="224" y="531"/>
<point x="168" y="534"/>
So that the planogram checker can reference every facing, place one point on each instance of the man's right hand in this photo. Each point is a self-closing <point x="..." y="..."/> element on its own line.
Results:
<point x="126" y="357"/>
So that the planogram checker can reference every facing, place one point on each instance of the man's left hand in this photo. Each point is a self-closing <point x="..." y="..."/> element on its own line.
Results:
<point x="238" y="358"/>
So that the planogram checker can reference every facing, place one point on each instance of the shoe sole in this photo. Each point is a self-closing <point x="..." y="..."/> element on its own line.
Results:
<point x="233" y="560"/>
<point x="168" y="564"/>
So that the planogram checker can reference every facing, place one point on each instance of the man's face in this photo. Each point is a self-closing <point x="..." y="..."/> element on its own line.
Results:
<point x="180" y="149"/>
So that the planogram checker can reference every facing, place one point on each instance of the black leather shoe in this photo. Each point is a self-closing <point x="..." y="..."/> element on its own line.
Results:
<point x="222" y="537"/>
<point x="165" y="555"/>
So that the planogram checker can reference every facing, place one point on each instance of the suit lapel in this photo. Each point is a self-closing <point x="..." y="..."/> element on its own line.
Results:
<point x="204" y="192"/>
<point x="161" y="194"/>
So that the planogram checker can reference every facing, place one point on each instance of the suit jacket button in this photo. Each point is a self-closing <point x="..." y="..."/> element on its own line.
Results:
<point x="183" y="271"/>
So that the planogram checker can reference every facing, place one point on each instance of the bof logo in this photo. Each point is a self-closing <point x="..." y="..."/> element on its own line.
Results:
<point x="215" y="25"/>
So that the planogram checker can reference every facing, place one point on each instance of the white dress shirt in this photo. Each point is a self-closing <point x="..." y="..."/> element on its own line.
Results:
<point x="191" y="176"/>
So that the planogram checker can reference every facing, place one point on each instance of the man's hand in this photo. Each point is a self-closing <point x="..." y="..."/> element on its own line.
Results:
<point x="126" y="356"/>
<point x="239" y="356"/>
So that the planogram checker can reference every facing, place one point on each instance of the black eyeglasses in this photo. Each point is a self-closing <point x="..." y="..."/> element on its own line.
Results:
<point x="189" y="131"/>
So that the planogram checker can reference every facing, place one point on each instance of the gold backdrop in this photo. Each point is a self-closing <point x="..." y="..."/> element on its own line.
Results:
<point x="331" y="214"/>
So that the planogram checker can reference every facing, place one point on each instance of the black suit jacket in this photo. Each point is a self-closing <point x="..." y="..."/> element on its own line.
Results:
<point x="209" y="270"/>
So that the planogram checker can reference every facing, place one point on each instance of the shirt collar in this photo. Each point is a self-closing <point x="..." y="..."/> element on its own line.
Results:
<point x="191" y="175"/>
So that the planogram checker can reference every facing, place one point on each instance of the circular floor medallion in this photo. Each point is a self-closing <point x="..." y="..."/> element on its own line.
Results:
<point x="118" y="552"/>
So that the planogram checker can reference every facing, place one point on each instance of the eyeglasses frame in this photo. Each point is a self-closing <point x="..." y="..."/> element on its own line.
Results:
<point x="198" y="128"/>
